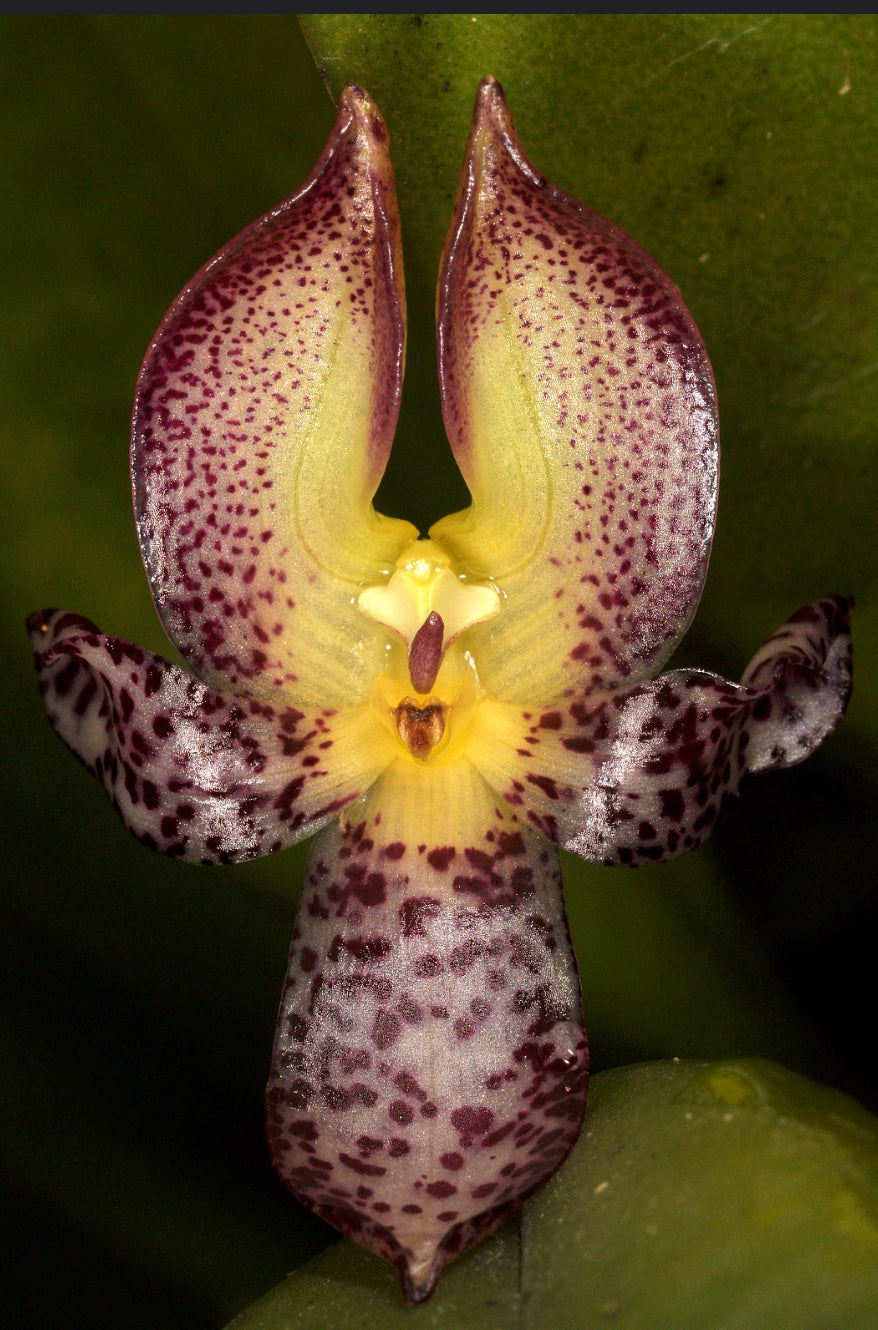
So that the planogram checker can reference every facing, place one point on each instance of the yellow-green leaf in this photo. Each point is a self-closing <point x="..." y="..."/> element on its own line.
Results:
<point x="702" y="1196"/>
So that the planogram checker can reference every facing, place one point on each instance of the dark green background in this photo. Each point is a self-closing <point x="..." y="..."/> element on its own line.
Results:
<point x="140" y="995"/>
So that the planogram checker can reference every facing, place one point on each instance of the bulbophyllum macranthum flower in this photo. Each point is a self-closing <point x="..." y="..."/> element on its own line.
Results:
<point x="444" y="712"/>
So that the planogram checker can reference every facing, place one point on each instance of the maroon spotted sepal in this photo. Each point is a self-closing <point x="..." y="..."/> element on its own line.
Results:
<point x="580" y="405"/>
<point x="430" y="1062"/>
<point x="263" y="419"/>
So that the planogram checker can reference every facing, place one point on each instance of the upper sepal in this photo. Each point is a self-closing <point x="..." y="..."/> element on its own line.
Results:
<point x="263" y="419"/>
<point x="580" y="405"/>
<point x="206" y="776"/>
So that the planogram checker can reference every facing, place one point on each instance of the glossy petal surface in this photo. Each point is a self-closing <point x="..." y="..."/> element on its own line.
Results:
<point x="643" y="775"/>
<point x="210" y="777"/>
<point x="264" y="416"/>
<point x="580" y="405"/>
<point x="430" y="1062"/>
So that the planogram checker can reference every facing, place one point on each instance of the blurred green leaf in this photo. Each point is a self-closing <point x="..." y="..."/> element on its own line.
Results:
<point x="706" y="1196"/>
<point x="701" y="1196"/>
<point x="138" y="1001"/>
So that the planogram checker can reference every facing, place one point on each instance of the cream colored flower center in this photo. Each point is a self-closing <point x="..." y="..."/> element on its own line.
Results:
<point x="431" y="685"/>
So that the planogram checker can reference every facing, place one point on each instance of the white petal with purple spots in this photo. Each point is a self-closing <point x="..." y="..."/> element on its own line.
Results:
<point x="211" y="777"/>
<point x="643" y="775"/>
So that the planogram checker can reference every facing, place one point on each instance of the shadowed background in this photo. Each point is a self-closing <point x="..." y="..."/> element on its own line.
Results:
<point x="139" y="995"/>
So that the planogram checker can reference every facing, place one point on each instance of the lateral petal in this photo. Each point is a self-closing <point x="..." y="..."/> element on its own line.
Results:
<point x="643" y="775"/>
<point x="580" y="405"/>
<point x="429" y="1068"/>
<point x="263" y="420"/>
<point x="210" y="777"/>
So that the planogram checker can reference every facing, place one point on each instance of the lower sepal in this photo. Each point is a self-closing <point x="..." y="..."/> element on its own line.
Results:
<point x="430" y="1062"/>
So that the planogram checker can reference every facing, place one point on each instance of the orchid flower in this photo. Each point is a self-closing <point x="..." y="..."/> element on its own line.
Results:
<point x="444" y="712"/>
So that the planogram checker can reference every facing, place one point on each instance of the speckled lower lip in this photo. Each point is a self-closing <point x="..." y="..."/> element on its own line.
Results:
<point x="430" y="1063"/>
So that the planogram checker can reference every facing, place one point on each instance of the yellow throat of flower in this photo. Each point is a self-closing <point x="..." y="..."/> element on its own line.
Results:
<point x="427" y="694"/>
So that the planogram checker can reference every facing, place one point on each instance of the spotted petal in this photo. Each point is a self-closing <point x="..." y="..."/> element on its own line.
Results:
<point x="211" y="777"/>
<point x="429" y="1065"/>
<point x="580" y="405"/>
<point x="643" y="775"/>
<point x="264" y="415"/>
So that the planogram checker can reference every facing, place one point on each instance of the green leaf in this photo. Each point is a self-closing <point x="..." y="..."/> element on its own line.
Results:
<point x="709" y="1195"/>
<point x="702" y="1196"/>
<point x="350" y="1287"/>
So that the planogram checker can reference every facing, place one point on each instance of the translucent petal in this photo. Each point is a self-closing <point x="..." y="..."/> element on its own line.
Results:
<point x="643" y="775"/>
<point x="429" y="1067"/>
<point x="580" y="405"/>
<point x="264" y="416"/>
<point x="210" y="777"/>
